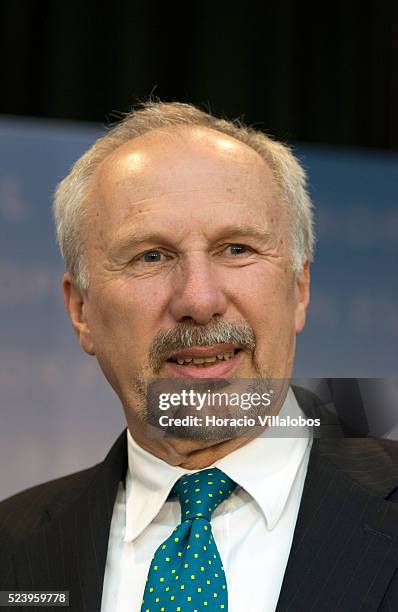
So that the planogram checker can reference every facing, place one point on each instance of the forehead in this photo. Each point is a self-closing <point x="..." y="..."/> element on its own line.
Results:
<point x="188" y="157"/>
<point x="190" y="179"/>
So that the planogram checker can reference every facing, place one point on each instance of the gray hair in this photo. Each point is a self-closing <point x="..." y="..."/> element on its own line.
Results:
<point x="71" y="193"/>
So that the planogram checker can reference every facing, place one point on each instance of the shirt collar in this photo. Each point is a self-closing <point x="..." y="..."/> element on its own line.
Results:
<point x="265" y="467"/>
<point x="149" y="481"/>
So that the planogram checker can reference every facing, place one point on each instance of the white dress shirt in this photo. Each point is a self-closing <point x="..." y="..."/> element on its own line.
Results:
<point x="253" y="528"/>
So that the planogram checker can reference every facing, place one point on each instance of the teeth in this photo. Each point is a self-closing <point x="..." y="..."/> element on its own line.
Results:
<point x="204" y="360"/>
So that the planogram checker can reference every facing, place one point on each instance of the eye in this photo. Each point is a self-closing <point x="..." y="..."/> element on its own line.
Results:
<point x="238" y="249"/>
<point x="153" y="256"/>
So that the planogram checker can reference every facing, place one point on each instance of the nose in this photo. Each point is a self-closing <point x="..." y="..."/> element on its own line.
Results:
<point x="198" y="294"/>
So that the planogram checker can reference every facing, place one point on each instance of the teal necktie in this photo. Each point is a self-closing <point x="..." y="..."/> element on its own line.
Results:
<point x="186" y="572"/>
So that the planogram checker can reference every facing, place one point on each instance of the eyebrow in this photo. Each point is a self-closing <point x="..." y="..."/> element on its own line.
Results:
<point x="135" y="239"/>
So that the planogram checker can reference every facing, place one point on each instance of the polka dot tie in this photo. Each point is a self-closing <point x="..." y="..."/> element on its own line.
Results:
<point x="186" y="572"/>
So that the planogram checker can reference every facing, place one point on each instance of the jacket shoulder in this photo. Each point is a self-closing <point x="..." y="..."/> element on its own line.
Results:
<point x="26" y="511"/>
<point x="390" y="447"/>
<point x="370" y="462"/>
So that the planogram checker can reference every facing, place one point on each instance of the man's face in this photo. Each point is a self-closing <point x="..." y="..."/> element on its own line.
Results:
<point x="186" y="232"/>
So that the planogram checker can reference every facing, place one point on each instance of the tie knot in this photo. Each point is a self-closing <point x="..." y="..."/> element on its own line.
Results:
<point x="201" y="493"/>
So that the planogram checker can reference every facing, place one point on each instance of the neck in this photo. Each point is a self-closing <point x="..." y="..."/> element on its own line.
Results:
<point x="189" y="454"/>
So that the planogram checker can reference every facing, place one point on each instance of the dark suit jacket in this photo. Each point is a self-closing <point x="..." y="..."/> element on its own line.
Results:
<point x="345" y="547"/>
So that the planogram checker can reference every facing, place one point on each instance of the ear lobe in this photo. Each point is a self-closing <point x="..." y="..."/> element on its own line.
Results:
<point x="75" y="304"/>
<point x="302" y="298"/>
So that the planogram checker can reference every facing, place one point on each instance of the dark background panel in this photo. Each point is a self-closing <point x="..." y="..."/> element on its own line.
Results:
<point x="302" y="71"/>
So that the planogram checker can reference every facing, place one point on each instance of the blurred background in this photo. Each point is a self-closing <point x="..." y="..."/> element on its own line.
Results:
<point x="322" y="79"/>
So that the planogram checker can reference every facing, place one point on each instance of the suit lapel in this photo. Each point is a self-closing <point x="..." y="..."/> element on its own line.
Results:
<point x="69" y="551"/>
<point x="345" y="545"/>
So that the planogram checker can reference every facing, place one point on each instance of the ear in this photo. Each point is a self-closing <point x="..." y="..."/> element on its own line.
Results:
<point x="302" y="297"/>
<point x="75" y="305"/>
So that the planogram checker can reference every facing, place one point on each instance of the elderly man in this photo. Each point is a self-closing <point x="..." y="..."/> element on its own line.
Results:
<point x="187" y="241"/>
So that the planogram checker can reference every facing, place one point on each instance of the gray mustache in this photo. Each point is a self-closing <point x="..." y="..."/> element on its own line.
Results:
<point x="187" y="335"/>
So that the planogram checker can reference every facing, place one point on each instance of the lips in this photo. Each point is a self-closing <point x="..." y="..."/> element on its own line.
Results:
<point x="202" y="352"/>
<point x="217" y="361"/>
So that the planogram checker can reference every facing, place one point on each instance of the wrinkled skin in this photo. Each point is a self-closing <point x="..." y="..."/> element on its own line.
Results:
<point x="208" y="210"/>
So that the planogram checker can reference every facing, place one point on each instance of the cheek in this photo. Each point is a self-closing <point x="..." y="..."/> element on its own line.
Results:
<point x="124" y="313"/>
<point x="270" y="309"/>
<point x="267" y="301"/>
